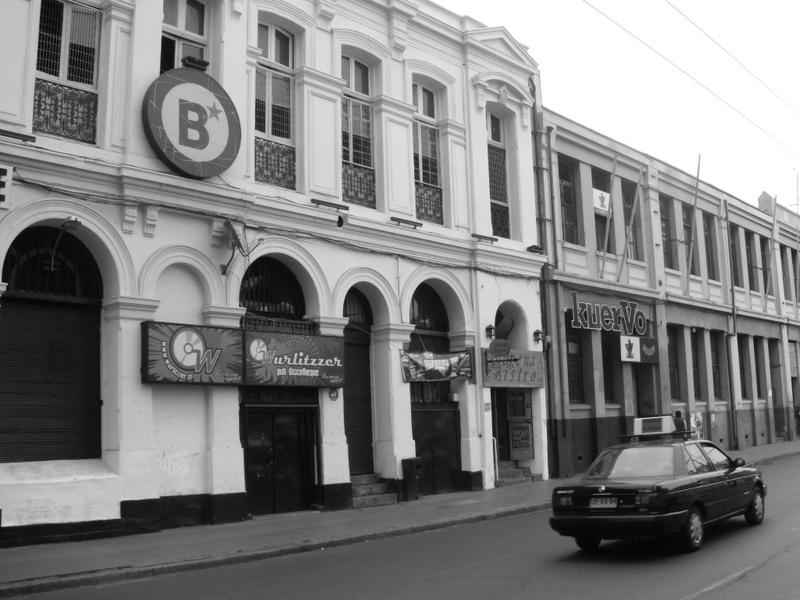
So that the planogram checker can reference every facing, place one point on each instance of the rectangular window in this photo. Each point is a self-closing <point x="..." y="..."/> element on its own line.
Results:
<point x="736" y="255"/>
<point x="611" y="360"/>
<point x="633" y="221"/>
<point x="717" y="354"/>
<point x="752" y="261"/>
<point x="698" y="354"/>
<point x="796" y="272"/>
<point x="603" y="212"/>
<point x="690" y="240"/>
<point x="710" y="239"/>
<point x="744" y="367"/>
<point x="184" y="32"/>
<point x="427" y="183"/>
<point x="673" y="347"/>
<point x="766" y="264"/>
<point x="786" y="270"/>
<point x="570" y="217"/>
<point x="668" y="237"/>
<point x="274" y="104"/>
<point x="498" y="177"/>
<point x="761" y="382"/>
<point x="68" y="42"/>
<point x="574" y="341"/>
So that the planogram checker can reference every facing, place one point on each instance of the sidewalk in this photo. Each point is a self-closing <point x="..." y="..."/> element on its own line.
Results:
<point x="37" y="568"/>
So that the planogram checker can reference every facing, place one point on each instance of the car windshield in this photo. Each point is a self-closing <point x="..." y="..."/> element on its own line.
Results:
<point x="640" y="461"/>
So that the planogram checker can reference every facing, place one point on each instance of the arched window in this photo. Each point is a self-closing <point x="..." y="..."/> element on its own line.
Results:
<point x="429" y="315"/>
<point x="50" y="349"/>
<point x="270" y="289"/>
<point x="357" y="309"/>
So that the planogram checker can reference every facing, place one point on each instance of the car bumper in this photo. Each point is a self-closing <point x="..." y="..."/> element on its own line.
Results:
<point x="619" y="526"/>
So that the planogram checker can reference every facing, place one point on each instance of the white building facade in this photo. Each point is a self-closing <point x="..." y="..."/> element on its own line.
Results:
<point x="255" y="250"/>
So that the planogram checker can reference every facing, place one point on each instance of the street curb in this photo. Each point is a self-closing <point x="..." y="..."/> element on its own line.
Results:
<point x="75" y="580"/>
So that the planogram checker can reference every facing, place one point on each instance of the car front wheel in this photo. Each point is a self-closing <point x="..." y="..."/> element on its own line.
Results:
<point x="693" y="532"/>
<point x="587" y="543"/>
<point x="755" y="511"/>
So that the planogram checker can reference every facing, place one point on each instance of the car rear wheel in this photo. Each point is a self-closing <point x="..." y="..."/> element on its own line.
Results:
<point x="587" y="543"/>
<point x="755" y="511"/>
<point x="693" y="532"/>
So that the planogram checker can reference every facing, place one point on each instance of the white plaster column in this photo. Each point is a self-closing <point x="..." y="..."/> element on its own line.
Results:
<point x="335" y="457"/>
<point x="393" y="438"/>
<point x="128" y="440"/>
<point x="224" y="447"/>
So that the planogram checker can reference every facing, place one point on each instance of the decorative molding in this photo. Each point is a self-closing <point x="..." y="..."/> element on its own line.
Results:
<point x="326" y="11"/>
<point x="130" y="214"/>
<point x="150" y="220"/>
<point x="129" y="307"/>
<point x="219" y="234"/>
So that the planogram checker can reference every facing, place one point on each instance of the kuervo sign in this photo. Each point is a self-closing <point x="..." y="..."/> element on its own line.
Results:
<point x="625" y="317"/>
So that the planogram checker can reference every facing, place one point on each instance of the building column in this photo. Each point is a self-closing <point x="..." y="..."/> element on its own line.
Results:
<point x="128" y="437"/>
<point x="335" y="458"/>
<point x="393" y="437"/>
<point x="225" y="472"/>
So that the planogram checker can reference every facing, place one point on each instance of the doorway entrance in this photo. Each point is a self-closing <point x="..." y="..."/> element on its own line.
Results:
<point x="357" y="384"/>
<point x="280" y="454"/>
<point x="512" y="425"/>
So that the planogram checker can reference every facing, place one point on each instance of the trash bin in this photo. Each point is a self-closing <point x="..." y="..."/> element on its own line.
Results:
<point x="412" y="472"/>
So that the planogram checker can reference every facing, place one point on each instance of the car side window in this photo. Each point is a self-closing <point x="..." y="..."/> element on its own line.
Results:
<point x="691" y="467"/>
<point x="719" y="459"/>
<point x="698" y="459"/>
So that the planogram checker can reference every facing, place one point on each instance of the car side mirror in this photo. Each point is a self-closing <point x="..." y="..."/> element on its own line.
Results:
<point x="737" y="462"/>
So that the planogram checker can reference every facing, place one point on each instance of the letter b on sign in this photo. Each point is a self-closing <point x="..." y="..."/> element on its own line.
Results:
<point x="192" y="124"/>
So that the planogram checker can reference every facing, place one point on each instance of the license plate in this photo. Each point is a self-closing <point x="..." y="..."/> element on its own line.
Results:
<point x="603" y="502"/>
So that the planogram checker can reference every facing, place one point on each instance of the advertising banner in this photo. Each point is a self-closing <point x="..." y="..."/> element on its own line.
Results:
<point x="638" y="349"/>
<point x="431" y="366"/>
<point x="175" y="353"/>
<point x="288" y="359"/>
<point x="515" y="368"/>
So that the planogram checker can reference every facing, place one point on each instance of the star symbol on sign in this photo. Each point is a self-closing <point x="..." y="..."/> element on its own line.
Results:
<point x="213" y="111"/>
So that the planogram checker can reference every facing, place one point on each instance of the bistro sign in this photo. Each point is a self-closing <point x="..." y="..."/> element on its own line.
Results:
<point x="626" y="318"/>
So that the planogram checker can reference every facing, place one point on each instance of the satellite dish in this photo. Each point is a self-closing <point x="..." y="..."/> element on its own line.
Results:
<point x="503" y="328"/>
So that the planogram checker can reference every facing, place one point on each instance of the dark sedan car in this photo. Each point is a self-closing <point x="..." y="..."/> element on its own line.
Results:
<point x="655" y="486"/>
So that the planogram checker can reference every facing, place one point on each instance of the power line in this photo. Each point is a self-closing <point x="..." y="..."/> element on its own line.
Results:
<point x="738" y="62"/>
<point x="693" y="78"/>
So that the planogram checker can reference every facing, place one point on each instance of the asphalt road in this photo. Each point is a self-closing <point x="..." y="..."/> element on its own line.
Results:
<point x="509" y="558"/>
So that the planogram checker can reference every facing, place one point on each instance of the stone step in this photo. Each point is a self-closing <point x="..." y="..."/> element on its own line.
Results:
<point x="372" y="489"/>
<point x="367" y="479"/>
<point x="374" y="500"/>
<point x="512" y="473"/>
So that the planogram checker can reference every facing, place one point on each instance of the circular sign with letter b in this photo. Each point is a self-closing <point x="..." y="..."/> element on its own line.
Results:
<point x="191" y="123"/>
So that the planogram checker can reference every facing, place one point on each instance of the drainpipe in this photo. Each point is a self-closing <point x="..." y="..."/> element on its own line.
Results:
<point x="732" y="334"/>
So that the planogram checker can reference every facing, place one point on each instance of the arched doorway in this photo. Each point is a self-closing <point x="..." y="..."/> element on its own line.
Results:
<point x="278" y="424"/>
<point x="435" y="418"/>
<point x="50" y="349"/>
<point x="357" y="387"/>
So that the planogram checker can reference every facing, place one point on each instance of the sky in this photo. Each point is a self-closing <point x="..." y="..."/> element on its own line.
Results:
<point x="709" y="81"/>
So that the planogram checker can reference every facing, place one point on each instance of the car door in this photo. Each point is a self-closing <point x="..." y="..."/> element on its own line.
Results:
<point x="736" y="481"/>
<point x="711" y="485"/>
